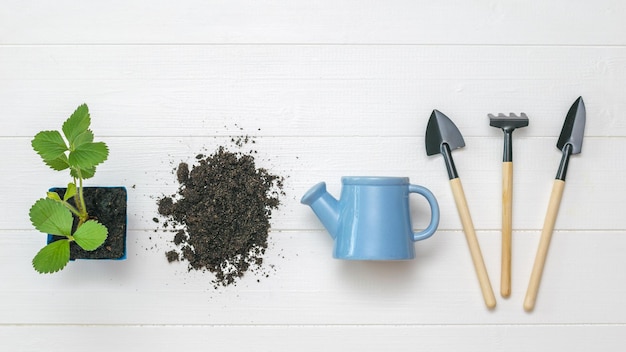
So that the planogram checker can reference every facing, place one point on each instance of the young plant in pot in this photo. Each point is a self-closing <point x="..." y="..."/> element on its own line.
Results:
<point x="81" y="222"/>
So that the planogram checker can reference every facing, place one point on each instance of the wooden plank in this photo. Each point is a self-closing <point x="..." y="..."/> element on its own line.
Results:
<point x="148" y="174"/>
<point x="247" y="21"/>
<point x="292" y="90"/>
<point x="573" y="338"/>
<point x="306" y="286"/>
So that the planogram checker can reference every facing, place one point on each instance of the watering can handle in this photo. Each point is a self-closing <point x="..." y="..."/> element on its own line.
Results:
<point x="434" y="210"/>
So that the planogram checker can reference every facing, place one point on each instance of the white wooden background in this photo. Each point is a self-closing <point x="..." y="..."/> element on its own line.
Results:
<point x="329" y="88"/>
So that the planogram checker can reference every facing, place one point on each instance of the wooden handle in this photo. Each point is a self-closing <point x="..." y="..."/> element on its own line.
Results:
<point x="507" y="228"/>
<point x="544" y="244"/>
<point x="472" y="241"/>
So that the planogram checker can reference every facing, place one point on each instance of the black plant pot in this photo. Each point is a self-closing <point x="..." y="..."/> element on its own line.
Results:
<point x="107" y="205"/>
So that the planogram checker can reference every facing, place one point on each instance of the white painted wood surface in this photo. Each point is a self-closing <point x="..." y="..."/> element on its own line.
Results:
<point x="329" y="88"/>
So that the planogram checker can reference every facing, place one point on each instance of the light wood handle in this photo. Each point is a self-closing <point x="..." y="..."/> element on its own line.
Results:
<point x="544" y="244"/>
<point x="472" y="241"/>
<point x="507" y="228"/>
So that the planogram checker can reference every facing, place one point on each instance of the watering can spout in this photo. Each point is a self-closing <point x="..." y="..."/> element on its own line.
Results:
<point x="324" y="205"/>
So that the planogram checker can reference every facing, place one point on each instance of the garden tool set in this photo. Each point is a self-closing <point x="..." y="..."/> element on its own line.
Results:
<point x="371" y="219"/>
<point x="442" y="136"/>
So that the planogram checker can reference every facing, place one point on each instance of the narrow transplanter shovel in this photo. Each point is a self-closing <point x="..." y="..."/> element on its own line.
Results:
<point x="570" y="142"/>
<point x="508" y="123"/>
<point x="442" y="136"/>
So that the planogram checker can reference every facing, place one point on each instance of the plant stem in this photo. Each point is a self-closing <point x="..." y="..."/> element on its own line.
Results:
<point x="80" y="200"/>
<point x="71" y="208"/>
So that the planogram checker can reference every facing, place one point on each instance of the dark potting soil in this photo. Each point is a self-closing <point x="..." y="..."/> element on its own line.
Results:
<point x="107" y="205"/>
<point x="221" y="213"/>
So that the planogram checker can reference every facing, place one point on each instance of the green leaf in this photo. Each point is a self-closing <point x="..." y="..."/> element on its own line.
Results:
<point x="89" y="155"/>
<point x="70" y="191"/>
<point x="49" y="145"/>
<point x="77" y="123"/>
<point x="84" y="173"/>
<point x="91" y="235"/>
<point x="54" y="196"/>
<point x="51" y="217"/>
<point x="83" y="138"/>
<point x="52" y="257"/>
<point x="59" y="163"/>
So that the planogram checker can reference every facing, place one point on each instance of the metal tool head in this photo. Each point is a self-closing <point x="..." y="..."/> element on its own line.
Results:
<point x="508" y="122"/>
<point x="440" y="130"/>
<point x="573" y="127"/>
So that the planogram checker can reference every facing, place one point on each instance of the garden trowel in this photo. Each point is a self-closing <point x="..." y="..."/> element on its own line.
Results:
<point x="442" y="136"/>
<point x="570" y="142"/>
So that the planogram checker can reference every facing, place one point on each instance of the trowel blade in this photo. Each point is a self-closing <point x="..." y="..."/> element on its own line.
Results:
<point x="440" y="130"/>
<point x="574" y="127"/>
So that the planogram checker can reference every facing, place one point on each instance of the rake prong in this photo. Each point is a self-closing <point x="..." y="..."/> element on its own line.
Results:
<point x="508" y="123"/>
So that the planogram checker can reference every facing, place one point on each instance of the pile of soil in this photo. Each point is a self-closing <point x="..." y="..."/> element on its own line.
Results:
<point x="221" y="213"/>
<point x="107" y="205"/>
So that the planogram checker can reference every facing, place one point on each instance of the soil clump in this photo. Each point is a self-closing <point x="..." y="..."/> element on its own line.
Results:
<point x="220" y="214"/>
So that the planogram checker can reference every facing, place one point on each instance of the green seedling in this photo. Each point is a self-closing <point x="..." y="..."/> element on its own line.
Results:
<point x="73" y="148"/>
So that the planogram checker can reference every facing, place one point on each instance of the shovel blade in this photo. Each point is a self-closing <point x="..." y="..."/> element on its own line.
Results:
<point x="574" y="127"/>
<point x="440" y="130"/>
